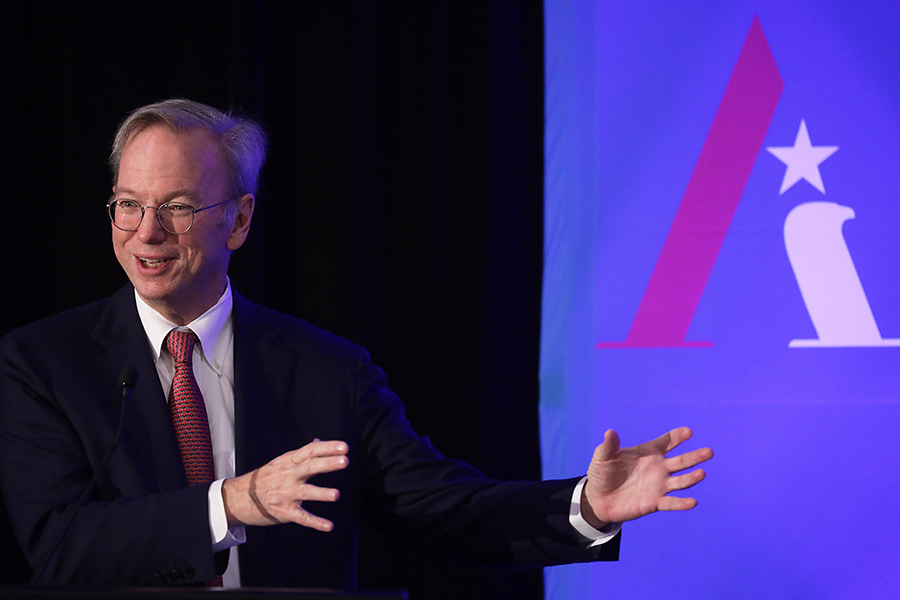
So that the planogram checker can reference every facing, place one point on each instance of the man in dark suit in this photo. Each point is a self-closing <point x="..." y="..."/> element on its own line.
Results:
<point x="273" y="388"/>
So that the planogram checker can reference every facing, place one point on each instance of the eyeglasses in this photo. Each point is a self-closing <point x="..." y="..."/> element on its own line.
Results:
<point x="175" y="217"/>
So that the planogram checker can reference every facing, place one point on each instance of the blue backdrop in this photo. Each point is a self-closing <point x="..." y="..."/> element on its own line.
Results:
<point x="722" y="250"/>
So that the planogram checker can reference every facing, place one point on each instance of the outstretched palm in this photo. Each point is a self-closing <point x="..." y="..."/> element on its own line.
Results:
<point x="628" y="483"/>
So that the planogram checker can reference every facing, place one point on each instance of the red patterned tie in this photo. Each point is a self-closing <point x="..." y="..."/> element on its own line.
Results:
<point x="189" y="412"/>
<point x="189" y="415"/>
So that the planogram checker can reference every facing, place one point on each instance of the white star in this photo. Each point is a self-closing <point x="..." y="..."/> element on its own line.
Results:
<point x="802" y="160"/>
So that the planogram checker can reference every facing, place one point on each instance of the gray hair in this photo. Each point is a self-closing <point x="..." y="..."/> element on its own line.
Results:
<point x="242" y="139"/>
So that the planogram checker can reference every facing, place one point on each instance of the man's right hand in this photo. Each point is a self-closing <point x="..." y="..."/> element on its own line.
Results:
<point x="274" y="493"/>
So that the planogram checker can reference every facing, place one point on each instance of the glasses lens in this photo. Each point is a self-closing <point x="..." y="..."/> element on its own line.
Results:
<point x="125" y="214"/>
<point x="176" y="218"/>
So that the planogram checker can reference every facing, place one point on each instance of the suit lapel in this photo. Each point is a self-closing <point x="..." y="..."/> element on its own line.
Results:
<point x="148" y="426"/>
<point x="263" y="371"/>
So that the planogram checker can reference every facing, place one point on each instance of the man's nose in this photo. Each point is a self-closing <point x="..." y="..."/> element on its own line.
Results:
<point x="150" y="230"/>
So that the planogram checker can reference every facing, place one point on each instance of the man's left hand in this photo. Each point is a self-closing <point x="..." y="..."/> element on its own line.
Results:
<point x="628" y="483"/>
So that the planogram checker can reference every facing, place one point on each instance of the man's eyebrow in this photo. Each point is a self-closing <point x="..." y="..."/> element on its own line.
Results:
<point x="187" y="194"/>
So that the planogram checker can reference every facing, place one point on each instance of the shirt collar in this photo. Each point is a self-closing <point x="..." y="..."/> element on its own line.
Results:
<point x="208" y="327"/>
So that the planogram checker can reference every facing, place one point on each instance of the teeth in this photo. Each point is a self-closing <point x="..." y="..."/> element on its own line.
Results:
<point x="152" y="263"/>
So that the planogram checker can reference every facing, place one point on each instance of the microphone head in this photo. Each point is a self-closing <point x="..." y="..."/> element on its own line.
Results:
<point x="128" y="378"/>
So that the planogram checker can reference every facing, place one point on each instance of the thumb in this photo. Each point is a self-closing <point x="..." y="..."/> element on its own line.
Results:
<point x="609" y="448"/>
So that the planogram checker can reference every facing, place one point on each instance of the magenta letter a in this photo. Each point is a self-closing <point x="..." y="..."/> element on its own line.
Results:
<point x="709" y="202"/>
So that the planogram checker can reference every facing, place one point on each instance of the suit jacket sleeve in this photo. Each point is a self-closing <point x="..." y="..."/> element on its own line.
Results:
<point x="295" y="383"/>
<point x="448" y="508"/>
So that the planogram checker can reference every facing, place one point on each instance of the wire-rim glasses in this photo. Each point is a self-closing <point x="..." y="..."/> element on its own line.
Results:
<point x="174" y="217"/>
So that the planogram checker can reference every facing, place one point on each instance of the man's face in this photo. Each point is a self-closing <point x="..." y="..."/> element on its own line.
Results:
<point x="181" y="276"/>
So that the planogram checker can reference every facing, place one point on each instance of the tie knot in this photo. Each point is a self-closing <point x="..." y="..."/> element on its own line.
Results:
<point x="181" y="345"/>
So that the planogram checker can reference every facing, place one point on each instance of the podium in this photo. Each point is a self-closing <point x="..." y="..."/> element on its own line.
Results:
<point x="25" y="592"/>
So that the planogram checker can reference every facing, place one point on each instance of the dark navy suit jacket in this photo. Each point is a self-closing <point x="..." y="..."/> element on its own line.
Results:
<point x="59" y="406"/>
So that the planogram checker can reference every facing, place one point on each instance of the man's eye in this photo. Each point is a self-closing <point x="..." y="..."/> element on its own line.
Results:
<point x="178" y="208"/>
<point x="127" y="204"/>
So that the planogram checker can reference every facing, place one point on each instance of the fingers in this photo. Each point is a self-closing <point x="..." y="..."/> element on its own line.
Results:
<point x="275" y="492"/>
<point x="316" y="466"/>
<point x="306" y="518"/>
<point x="310" y="520"/>
<point x="683" y="482"/>
<point x="315" y="458"/>
<point x="317" y="448"/>
<point x="688" y="459"/>
<point x="675" y="503"/>
<point x="315" y="493"/>
<point x="671" y="440"/>
<point x="290" y="508"/>
<point x="318" y="457"/>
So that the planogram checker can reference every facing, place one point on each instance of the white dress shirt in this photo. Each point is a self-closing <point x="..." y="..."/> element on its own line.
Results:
<point x="213" y="366"/>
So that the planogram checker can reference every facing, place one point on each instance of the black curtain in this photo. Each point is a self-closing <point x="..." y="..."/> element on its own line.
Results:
<point x="401" y="206"/>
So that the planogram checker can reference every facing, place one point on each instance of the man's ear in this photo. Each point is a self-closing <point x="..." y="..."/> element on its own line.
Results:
<point x="242" y="219"/>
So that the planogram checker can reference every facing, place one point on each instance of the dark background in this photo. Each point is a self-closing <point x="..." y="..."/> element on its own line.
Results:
<point x="401" y="206"/>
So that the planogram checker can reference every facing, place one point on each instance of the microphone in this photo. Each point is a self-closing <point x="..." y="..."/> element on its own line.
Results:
<point x="128" y="378"/>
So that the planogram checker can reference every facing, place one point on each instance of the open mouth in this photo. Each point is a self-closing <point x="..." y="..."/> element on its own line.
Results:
<point x="153" y="263"/>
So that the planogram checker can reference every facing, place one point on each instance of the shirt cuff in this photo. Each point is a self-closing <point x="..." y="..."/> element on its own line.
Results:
<point x="223" y="538"/>
<point x="595" y="537"/>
